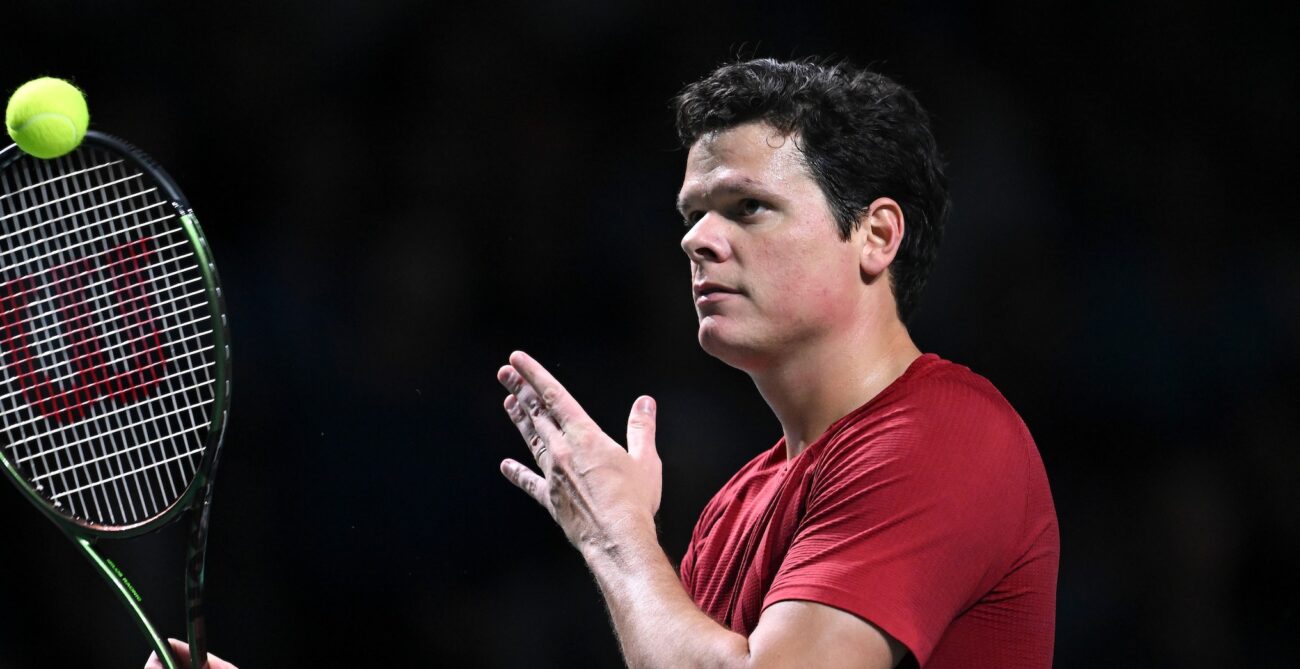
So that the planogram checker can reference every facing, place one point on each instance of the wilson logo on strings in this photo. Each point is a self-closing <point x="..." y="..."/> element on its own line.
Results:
<point x="66" y="369"/>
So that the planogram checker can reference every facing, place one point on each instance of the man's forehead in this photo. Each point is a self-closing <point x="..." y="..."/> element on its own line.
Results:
<point x="755" y="139"/>
<point x="750" y="155"/>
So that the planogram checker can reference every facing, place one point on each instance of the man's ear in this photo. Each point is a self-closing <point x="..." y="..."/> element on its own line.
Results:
<point x="880" y="235"/>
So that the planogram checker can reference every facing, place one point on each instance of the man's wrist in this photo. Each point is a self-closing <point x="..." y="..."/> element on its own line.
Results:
<point x="626" y="545"/>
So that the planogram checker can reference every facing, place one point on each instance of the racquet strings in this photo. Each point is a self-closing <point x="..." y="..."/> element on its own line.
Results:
<point x="107" y="368"/>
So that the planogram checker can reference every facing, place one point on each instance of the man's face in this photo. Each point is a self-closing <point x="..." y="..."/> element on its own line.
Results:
<point x="770" y="274"/>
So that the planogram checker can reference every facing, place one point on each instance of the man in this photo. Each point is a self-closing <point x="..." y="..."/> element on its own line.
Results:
<point x="904" y="515"/>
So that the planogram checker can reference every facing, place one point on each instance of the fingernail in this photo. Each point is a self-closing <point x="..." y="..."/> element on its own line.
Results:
<point x="648" y="405"/>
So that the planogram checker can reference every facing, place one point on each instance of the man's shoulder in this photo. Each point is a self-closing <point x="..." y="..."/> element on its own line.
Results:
<point x="942" y="391"/>
<point x="942" y="384"/>
<point x="939" y="404"/>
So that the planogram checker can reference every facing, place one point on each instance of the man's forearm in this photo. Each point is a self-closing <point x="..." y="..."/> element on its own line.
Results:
<point x="658" y="625"/>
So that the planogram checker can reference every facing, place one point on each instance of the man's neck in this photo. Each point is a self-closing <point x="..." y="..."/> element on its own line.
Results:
<point x="819" y="384"/>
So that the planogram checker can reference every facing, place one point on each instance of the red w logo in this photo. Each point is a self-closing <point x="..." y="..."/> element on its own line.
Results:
<point x="96" y="371"/>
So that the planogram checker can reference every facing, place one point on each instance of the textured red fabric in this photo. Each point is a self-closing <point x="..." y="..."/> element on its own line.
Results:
<point x="925" y="511"/>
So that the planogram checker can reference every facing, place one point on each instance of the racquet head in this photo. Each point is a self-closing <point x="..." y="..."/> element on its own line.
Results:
<point x="114" y="354"/>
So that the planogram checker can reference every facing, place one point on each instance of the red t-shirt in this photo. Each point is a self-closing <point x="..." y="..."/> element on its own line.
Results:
<point x="925" y="511"/>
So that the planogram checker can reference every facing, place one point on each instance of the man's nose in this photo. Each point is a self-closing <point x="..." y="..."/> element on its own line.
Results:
<point x="706" y="240"/>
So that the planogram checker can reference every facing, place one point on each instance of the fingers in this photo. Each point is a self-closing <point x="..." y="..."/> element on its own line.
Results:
<point x="181" y="651"/>
<point x="540" y="407"/>
<point x="531" y="380"/>
<point x="537" y="445"/>
<point x="527" y="412"/>
<point x="540" y="419"/>
<point x="641" y="429"/>
<point x="528" y="481"/>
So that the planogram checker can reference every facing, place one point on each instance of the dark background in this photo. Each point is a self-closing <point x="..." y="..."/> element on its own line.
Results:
<point x="401" y="193"/>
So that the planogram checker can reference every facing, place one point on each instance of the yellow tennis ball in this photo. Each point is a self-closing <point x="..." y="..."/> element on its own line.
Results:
<point x="47" y="117"/>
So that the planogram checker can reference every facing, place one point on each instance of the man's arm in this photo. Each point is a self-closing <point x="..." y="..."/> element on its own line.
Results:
<point x="659" y="626"/>
<point x="605" y="499"/>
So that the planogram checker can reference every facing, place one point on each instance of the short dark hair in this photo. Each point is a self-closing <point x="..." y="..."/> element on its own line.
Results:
<point x="862" y="136"/>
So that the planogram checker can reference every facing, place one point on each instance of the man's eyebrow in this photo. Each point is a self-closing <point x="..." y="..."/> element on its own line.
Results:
<point x="742" y="185"/>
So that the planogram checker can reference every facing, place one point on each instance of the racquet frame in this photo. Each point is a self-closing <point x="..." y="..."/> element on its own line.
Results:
<point x="196" y="500"/>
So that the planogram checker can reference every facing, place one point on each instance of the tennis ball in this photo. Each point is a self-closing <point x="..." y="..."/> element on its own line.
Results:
<point x="47" y="117"/>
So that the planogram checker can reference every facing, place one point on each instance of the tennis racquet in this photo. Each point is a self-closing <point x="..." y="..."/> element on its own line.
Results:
<point x="114" y="356"/>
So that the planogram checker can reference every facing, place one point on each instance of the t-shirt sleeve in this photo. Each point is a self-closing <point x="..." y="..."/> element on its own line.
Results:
<point x="908" y="524"/>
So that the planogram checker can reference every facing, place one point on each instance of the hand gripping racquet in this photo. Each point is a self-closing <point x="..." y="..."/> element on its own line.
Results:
<point x="114" y="356"/>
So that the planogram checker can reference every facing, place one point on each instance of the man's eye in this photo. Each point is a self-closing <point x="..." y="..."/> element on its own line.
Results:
<point x="749" y="207"/>
<point x="692" y="218"/>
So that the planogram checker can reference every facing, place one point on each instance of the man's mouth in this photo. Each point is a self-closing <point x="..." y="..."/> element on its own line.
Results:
<point x="709" y="290"/>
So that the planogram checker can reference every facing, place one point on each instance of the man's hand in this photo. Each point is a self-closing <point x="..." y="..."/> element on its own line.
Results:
<point x="600" y="494"/>
<point x="605" y="499"/>
<point x="182" y="651"/>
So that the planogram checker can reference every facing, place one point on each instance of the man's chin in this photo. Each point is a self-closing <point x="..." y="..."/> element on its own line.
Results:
<point x="726" y="346"/>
